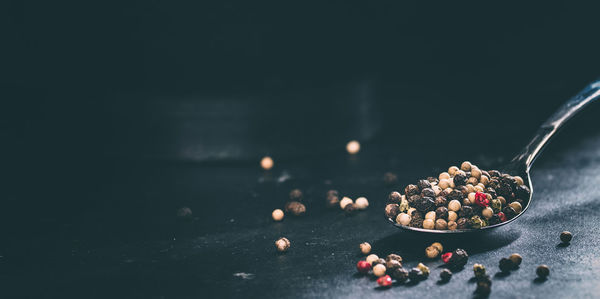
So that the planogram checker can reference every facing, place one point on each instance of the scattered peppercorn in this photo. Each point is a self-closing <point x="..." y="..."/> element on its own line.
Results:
<point x="350" y="209"/>
<point x="282" y="244"/>
<point x="445" y="275"/>
<point x="542" y="271"/>
<point x="345" y="201"/>
<point x="353" y="147"/>
<point x="296" y="208"/>
<point x="505" y="265"/>
<point x="332" y="198"/>
<point x="415" y="274"/>
<point x="363" y="267"/>
<point x="277" y="215"/>
<point x="392" y="210"/>
<point x="424" y="269"/>
<point x="516" y="260"/>
<point x="478" y="270"/>
<point x="400" y="274"/>
<point x="365" y="248"/>
<point x="361" y="203"/>
<point x="379" y="261"/>
<point x="392" y="264"/>
<point x="266" y="163"/>
<point x="379" y="270"/>
<point x="296" y="195"/>
<point x="566" y="237"/>
<point x="385" y="281"/>
<point x="431" y="252"/>
<point x="458" y="259"/>
<point x="395" y="197"/>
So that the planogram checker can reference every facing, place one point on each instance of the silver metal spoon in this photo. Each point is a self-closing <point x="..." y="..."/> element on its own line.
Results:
<point x="521" y="164"/>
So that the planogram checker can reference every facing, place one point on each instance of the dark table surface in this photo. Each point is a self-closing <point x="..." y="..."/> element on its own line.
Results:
<point x="117" y="235"/>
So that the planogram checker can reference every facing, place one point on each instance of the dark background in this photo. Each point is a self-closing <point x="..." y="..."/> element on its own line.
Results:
<point x="116" y="114"/>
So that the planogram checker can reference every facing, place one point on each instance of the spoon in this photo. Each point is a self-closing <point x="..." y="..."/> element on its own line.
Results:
<point x="521" y="164"/>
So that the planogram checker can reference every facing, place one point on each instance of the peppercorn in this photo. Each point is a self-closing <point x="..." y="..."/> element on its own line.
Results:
<point x="437" y="190"/>
<point x="502" y="216"/>
<point x="441" y="224"/>
<point x="392" y="264"/>
<point x="266" y="163"/>
<point x="422" y="184"/>
<point x="379" y="270"/>
<point x="431" y="252"/>
<point x="441" y="212"/>
<point x="455" y="195"/>
<point x="487" y="213"/>
<point x="345" y="201"/>
<point x="509" y="212"/>
<point x="454" y="205"/>
<point x="438" y="246"/>
<point x="379" y="261"/>
<point x="516" y="259"/>
<point x="481" y="199"/>
<point x="432" y="180"/>
<point x="505" y="264"/>
<point x="446" y="257"/>
<point x="395" y="197"/>
<point x="466" y="212"/>
<point x="494" y="173"/>
<point x="277" y="215"/>
<point x="415" y="274"/>
<point x="428" y="224"/>
<point x="566" y="237"/>
<point x="452" y="170"/>
<point x="485" y="180"/>
<point x="430" y="215"/>
<point x="390" y="179"/>
<point x="445" y="275"/>
<point x="418" y="222"/>
<point x="463" y="190"/>
<point x="350" y="209"/>
<point x="392" y="210"/>
<point x="495" y="219"/>
<point x="400" y="274"/>
<point x="444" y="183"/>
<point x="478" y="270"/>
<point x="411" y="190"/>
<point x="413" y="199"/>
<point x="424" y="269"/>
<point x="477" y="222"/>
<point x="296" y="195"/>
<point x="458" y="259"/>
<point x="470" y="188"/>
<point x="332" y="198"/>
<point x="472" y="181"/>
<point x="282" y="244"/>
<point x="296" y="208"/>
<point x="502" y="200"/>
<point x="404" y="206"/>
<point x="361" y="203"/>
<point x="365" y="248"/>
<point x="353" y="147"/>
<point x="385" y="281"/>
<point x="424" y="204"/>
<point x="542" y="271"/>
<point x="460" y="179"/>
<point x="452" y="225"/>
<point x="462" y="223"/>
<point x="522" y="192"/>
<point x="452" y="216"/>
<point x="516" y="206"/>
<point x="403" y="219"/>
<point x="440" y="201"/>
<point x="371" y="258"/>
<point x="466" y="166"/>
<point x="478" y="188"/>
<point x="412" y="212"/>
<point x="496" y="205"/>
<point x="484" y="287"/>
<point x="363" y="267"/>
<point x="427" y="192"/>
<point x="393" y="257"/>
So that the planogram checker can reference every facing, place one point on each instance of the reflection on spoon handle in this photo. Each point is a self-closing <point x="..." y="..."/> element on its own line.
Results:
<point x="589" y="94"/>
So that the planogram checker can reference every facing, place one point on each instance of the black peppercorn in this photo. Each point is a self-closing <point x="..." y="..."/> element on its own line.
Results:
<point x="411" y="190"/>
<point x="413" y="199"/>
<point x="433" y="180"/>
<point x="351" y="208"/>
<point x="505" y="265"/>
<point x="464" y="190"/>
<point x="484" y="287"/>
<point x="566" y="237"/>
<point x="400" y="274"/>
<point x="495" y="219"/>
<point x="332" y="199"/>
<point x="440" y="201"/>
<point x="425" y="204"/>
<point x="522" y="192"/>
<point x="460" y="179"/>
<point x="392" y="264"/>
<point x="296" y="195"/>
<point x="459" y="259"/>
<point x="445" y="275"/>
<point x="516" y="259"/>
<point x="415" y="274"/>
<point x="509" y="212"/>
<point x="542" y="271"/>
<point x="494" y="173"/>
<point x="428" y="192"/>
<point x="422" y="184"/>
<point x="462" y="223"/>
<point x="390" y="179"/>
<point x="395" y="197"/>
<point x="491" y="191"/>
<point x="465" y="211"/>
<point x="295" y="208"/>
<point x="393" y="257"/>
<point x="441" y="213"/>
<point x="416" y="222"/>
<point x="392" y="210"/>
<point x="455" y="195"/>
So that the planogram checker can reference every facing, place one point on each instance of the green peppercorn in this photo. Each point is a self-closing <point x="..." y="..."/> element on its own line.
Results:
<point x="477" y="222"/>
<point x="542" y="271"/>
<point x="496" y="205"/>
<point x="516" y="259"/>
<point x="505" y="265"/>
<point x="478" y="270"/>
<point x="424" y="269"/>
<point x="403" y="207"/>
<point x="445" y="275"/>
<point x="566" y="237"/>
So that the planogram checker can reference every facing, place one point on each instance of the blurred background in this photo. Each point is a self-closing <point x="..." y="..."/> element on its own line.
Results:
<point x="104" y="102"/>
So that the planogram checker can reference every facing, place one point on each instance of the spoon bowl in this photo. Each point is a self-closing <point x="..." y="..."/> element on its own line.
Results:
<point x="521" y="164"/>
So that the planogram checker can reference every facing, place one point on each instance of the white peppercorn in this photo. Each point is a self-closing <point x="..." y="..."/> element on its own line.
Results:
<point x="428" y="224"/>
<point x="452" y="216"/>
<point x="266" y="163"/>
<point x="516" y="206"/>
<point x="485" y="180"/>
<point x="472" y="181"/>
<point x="441" y="224"/>
<point x="361" y="203"/>
<point x="443" y="176"/>
<point x="436" y="190"/>
<point x="452" y="225"/>
<point x="403" y="219"/>
<point x="444" y="183"/>
<point x="282" y="244"/>
<point x="353" y="147"/>
<point x="466" y="166"/>
<point x="277" y="215"/>
<point x="454" y="205"/>
<point x="475" y="172"/>
<point x="470" y="188"/>
<point x="487" y="213"/>
<point x="345" y="201"/>
<point x="430" y="215"/>
<point x="371" y="258"/>
<point x="519" y="180"/>
<point x="379" y="270"/>
<point x="365" y="248"/>
<point x="452" y="170"/>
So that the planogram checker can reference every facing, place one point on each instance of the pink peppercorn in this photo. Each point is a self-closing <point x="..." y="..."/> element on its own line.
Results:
<point x="363" y="267"/>
<point x="446" y="257"/>
<point x="481" y="200"/>
<point x="502" y="216"/>
<point x="385" y="281"/>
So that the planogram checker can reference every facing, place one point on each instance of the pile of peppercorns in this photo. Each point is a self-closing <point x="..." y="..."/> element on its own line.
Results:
<point x="462" y="198"/>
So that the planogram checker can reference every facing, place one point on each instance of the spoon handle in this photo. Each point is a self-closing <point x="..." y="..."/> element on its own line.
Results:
<point x="588" y="95"/>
